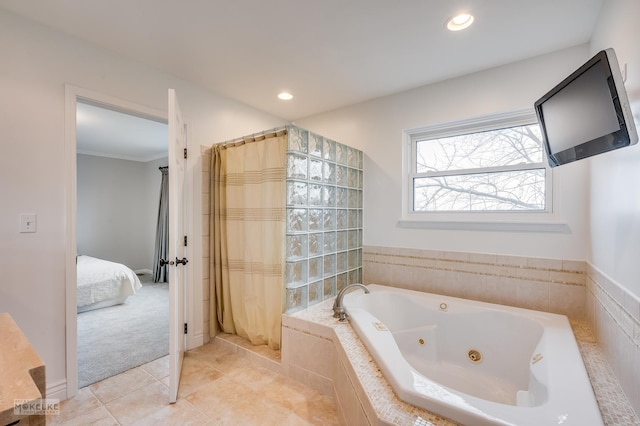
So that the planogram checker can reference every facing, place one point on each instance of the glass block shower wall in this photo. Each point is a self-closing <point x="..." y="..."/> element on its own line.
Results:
<point x="324" y="218"/>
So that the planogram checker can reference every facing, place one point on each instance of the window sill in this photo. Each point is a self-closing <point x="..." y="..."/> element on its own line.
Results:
<point x="550" y="226"/>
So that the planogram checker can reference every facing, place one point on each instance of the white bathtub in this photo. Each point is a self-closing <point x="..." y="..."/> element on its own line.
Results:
<point x="475" y="363"/>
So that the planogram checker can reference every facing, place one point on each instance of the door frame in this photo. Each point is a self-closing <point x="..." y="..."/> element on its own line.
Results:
<point x="72" y="95"/>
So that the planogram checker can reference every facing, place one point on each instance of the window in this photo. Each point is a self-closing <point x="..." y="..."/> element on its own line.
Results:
<point x="474" y="168"/>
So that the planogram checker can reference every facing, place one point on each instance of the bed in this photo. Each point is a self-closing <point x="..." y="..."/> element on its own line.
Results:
<point x="102" y="283"/>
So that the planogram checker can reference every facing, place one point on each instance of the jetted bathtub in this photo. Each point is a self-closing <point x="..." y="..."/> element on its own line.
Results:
<point x="475" y="363"/>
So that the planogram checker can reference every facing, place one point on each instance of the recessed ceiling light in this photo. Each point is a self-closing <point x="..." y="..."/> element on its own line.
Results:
<point x="459" y="22"/>
<point x="285" y="96"/>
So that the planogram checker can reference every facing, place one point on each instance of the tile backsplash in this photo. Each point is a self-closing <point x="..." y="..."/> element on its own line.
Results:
<point x="551" y="285"/>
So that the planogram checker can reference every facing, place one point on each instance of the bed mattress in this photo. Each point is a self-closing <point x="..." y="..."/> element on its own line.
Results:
<point x="103" y="283"/>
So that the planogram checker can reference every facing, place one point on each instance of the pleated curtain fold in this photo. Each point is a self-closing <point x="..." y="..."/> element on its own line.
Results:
<point x="160" y="273"/>
<point x="248" y="199"/>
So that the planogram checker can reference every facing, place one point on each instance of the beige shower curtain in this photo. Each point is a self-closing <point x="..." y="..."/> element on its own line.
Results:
<point x="248" y="198"/>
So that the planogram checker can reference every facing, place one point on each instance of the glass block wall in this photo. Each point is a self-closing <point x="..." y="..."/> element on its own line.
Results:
<point x="324" y="218"/>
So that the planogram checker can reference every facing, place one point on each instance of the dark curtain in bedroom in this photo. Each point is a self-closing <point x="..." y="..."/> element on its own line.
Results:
<point x="162" y="231"/>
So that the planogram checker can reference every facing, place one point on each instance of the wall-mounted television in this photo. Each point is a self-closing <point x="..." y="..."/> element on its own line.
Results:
<point x="588" y="113"/>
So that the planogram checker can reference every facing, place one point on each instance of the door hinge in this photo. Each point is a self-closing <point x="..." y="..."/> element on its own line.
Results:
<point x="185" y="153"/>
<point x="185" y="240"/>
<point x="185" y="328"/>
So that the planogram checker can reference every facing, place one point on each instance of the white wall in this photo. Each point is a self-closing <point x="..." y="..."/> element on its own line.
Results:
<point x="117" y="209"/>
<point x="376" y="128"/>
<point x="615" y="176"/>
<point x="36" y="64"/>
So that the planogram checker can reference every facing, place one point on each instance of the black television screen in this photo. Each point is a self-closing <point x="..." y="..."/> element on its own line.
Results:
<point x="588" y="113"/>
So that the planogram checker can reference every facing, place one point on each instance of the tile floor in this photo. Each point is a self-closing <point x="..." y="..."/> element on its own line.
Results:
<point x="217" y="387"/>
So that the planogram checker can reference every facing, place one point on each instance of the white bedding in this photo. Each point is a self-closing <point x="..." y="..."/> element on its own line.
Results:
<point x="103" y="283"/>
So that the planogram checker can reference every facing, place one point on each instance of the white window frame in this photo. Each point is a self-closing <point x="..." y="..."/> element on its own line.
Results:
<point x="547" y="220"/>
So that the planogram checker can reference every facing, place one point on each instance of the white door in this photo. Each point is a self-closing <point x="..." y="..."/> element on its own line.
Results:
<point x="177" y="250"/>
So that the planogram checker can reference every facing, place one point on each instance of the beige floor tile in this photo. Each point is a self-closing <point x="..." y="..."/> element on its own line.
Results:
<point x="255" y="409"/>
<point x="219" y="357"/>
<point x="256" y="378"/>
<point x="307" y="403"/>
<point x="318" y="410"/>
<point x="195" y="373"/>
<point x="218" y="386"/>
<point x="95" y="417"/>
<point x="83" y="402"/>
<point x="287" y="392"/>
<point x="181" y="413"/>
<point x="158" y="368"/>
<point x="217" y="398"/>
<point x="140" y="403"/>
<point x="120" y="385"/>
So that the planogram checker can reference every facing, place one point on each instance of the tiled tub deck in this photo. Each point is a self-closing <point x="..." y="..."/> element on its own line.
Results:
<point x="327" y="355"/>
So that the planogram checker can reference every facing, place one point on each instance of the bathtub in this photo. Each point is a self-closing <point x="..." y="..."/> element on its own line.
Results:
<point x="472" y="362"/>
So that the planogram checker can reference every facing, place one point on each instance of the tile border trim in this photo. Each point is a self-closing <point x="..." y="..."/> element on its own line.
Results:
<point x="601" y="287"/>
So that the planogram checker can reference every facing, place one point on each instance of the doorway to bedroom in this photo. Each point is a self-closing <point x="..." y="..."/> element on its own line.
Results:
<point x="123" y="307"/>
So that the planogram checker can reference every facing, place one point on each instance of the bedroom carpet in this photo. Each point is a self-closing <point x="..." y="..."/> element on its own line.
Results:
<point x="115" y="339"/>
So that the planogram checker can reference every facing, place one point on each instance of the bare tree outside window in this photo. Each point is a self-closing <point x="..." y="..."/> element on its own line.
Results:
<point x="497" y="170"/>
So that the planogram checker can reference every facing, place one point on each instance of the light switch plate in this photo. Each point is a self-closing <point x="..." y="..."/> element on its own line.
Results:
<point x="28" y="223"/>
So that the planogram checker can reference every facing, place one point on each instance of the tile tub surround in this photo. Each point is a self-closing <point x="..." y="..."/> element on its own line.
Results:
<point x="614" y="316"/>
<point x="363" y="395"/>
<point x="549" y="285"/>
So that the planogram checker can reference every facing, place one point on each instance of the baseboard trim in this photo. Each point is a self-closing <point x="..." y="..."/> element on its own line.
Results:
<point x="143" y="271"/>
<point x="195" y="341"/>
<point x="57" y="390"/>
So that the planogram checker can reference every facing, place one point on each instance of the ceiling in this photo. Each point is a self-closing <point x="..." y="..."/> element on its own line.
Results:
<point x="328" y="53"/>
<point x="107" y="133"/>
